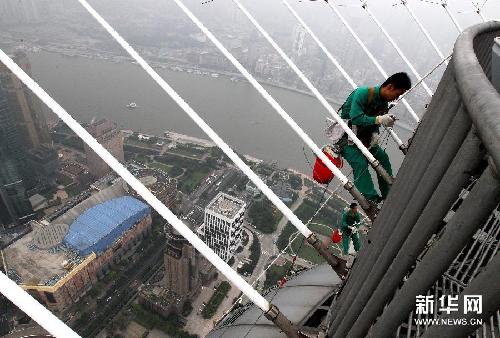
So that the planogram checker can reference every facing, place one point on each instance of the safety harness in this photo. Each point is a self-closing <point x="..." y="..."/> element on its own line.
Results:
<point x="339" y="138"/>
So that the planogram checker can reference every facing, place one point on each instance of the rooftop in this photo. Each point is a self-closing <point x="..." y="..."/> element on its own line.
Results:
<point x="38" y="256"/>
<point x="296" y="300"/>
<point x="101" y="127"/>
<point x="226" y="205"/>
<point x="101" y="225"/>
<point x="43" y="153"/>
<point x="30" y="265"/>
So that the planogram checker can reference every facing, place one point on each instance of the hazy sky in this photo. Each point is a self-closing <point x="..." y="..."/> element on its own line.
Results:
<point x="274" y="16"/>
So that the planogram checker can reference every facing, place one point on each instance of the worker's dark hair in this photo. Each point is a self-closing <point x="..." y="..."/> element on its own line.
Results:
<point x="399" y="81"/>
<point x="353" y="205"/>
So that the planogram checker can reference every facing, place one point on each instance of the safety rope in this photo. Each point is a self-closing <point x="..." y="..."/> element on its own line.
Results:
<point x="401" y="98"/>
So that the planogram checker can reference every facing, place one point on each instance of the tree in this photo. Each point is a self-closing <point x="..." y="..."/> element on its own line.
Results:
<point x="295" y="182"/>
<point x="254" y="257"/>
<point x="187" y="308"/>
<point x="262" y="215"/>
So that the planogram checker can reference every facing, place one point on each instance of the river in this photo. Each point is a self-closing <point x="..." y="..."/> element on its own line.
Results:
<point x="89" y="88"/>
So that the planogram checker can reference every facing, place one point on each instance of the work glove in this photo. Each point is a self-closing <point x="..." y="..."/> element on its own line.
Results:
<point x="353" y="229"/>
<point x="386" y="120"/>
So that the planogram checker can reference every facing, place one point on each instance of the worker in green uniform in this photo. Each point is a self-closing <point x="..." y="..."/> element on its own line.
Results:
<point x="351" y="220"/>
<point x="366" y="109"/>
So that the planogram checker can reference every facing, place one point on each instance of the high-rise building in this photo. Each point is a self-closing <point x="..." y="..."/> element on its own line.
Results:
<point x="42" y="162"/>
<point x="223" y="224"/>
<point x="14" y="205"/>
<point x="22" y="11"/>
<point x="26" y="109"/>
<point x="110" y="137"/>
<point x="181" y="266"/>
<point x="10" y="137"/>
<point x="299" y="35"/>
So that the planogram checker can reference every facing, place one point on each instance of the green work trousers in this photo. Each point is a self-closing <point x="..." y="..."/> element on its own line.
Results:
<point x="355" y="241"/>
<point x="362" y="177"/>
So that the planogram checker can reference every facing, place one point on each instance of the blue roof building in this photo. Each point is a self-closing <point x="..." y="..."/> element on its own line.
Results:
<point x="99" y="227"/>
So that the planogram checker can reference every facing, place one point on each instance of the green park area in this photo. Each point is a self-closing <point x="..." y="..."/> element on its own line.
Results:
<point x="216" y="299"/>
<point x="141" y="143"/>
<point x="171" y="325"/>
<point x="192" y="178"/>
<point x="171" y="170"/>
<point x="188" y="150"/>
<point x="255" y="252"/>
<point x="265" y="216"/>
<point x="194" y="170"/>
<point x="327" y="216"/>
<point x="275" y="273"/>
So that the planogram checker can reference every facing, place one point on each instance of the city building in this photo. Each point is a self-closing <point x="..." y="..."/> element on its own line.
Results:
<point x="223" y="224"/>
<point x="14" y="204"/>
<point x="252" y="188"/>
<point x="160" y="300"/>
<point x="283" y="190"/>
<point x="59" y="261"/>
<point x="107" y="134"/>
<point x="181" y="266"/>
<point x="43" y="162"/>
<point x="299" y="35"/>
<point x="26" y="109"/>
<point x="15" y="207"/>
<point x="23" y="142"/>
<point x="10" y="136"/>
<point x="159" y="183"/>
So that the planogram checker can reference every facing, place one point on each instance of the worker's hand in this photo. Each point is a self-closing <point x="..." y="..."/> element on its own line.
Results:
<point x="353" y="229"/>
<point x="386" y="120"/>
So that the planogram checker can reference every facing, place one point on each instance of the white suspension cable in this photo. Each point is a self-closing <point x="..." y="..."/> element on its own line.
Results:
<point x="307" y="140"/>
<point x="455" y="22"/>
<point x="197" y="243"/>
<point x="370" y="55"/>
<point x="396" y="47"/>
<point x="422" y="28"/>
<point x="309" y="85"/>
<point x="336" y="63"/>
<point x="34" y="309"/>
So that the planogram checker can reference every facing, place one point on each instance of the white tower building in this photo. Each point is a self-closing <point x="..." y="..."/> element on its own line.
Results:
<point x="223" y="224"/>
<point x="299" y="35"/>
